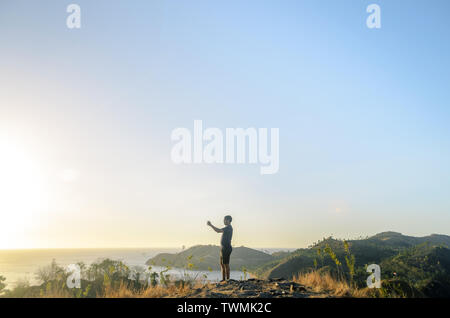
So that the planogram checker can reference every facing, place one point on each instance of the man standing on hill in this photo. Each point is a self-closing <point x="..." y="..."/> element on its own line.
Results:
<point x="225" y="243"/>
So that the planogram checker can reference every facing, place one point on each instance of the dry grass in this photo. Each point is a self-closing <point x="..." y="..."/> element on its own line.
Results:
<point x="124" y="292"/>
<point x="118" y="291"/>
<point x="325" y="283"/>
<point x="150" y="292"/>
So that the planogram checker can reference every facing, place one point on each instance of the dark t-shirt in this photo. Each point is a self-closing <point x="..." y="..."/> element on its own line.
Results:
<point x="225" y="241"/>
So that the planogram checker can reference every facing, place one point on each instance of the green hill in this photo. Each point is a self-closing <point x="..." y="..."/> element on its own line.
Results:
<point x="422" y="263"/>
<point x="398" y="240"/>
<point x="425" y="266"/>
<point x="204" y="257"/>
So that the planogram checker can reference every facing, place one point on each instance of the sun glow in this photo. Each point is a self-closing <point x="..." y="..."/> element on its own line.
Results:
<point x="22" y="192"/>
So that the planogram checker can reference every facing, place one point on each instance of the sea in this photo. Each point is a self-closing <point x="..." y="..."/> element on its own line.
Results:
<point x="21" y="265"/>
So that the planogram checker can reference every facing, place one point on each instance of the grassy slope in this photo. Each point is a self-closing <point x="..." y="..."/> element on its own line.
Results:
<point x="367" y="251"/>
<point x="421" y="263"/>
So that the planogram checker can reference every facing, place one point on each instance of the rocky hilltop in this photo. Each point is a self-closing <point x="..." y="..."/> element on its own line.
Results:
<point x="255" y="288"/>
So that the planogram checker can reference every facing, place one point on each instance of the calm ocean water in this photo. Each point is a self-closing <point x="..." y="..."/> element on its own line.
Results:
<point x="17" y="265"/>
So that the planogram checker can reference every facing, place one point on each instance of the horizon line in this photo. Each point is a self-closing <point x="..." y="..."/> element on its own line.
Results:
<point x="130" y="248"/>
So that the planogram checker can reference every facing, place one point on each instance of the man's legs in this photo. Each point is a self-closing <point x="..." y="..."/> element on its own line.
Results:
<point x="225" y="263"/>
<point x="227" y="271"/>
<point x="224" y="271"/>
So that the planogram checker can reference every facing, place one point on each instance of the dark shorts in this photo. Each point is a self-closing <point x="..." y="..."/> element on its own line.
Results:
<point x="225" y="253"/>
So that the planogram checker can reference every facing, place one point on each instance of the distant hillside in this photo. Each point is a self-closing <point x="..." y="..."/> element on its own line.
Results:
<point x="367" y="251"/>
<point x="425" y="266"/>
<point x="204" y="257"/>
<point x="423" y="262"/>
<point x="398" y="240"/>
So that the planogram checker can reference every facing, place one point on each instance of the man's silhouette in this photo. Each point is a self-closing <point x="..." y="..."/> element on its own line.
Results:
<point x="225" y="243"/>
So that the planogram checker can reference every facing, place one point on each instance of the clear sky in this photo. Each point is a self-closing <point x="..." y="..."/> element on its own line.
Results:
<point x="86" y="117"/>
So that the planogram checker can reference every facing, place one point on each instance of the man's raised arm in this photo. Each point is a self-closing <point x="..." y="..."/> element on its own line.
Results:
<point x="214" y="228"/>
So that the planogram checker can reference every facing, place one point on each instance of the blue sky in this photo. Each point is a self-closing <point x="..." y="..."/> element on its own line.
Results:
<point x="363" y="117"/>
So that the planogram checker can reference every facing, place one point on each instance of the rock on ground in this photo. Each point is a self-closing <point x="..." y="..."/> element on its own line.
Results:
<point x="254" y="288"/>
